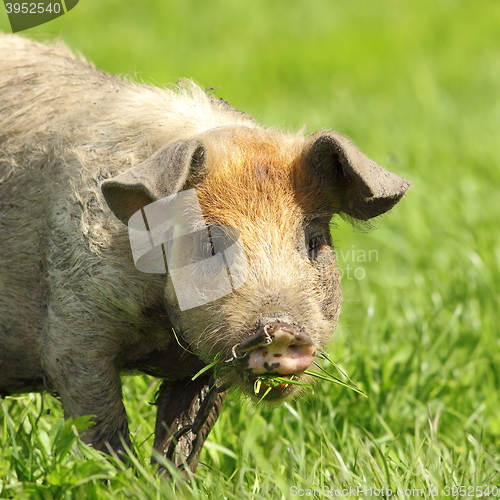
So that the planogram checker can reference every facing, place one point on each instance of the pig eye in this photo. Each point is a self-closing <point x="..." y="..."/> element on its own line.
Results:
<point x="208" y="242"/>
<point x="314" y="246"/>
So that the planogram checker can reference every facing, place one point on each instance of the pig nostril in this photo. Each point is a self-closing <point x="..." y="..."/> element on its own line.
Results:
<point x="278" y="355"/>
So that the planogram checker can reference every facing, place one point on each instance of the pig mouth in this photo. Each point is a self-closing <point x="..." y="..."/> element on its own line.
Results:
<point x="272" y="388"/>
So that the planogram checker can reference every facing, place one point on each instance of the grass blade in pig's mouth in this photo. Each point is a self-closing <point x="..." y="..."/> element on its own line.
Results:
<point x="279" y="385"/>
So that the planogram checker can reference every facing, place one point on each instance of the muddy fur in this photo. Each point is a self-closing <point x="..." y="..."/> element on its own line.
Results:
<point x="74" y="311"/>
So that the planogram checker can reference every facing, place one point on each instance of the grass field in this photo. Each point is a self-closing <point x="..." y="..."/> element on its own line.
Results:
<point x="417" y="86"/>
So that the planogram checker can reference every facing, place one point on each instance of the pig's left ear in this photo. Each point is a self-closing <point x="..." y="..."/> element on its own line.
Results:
<point x="363" y="188"/>
<point x="163" y="174"/>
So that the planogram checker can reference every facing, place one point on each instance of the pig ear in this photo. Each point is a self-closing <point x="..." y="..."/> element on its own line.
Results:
<point x="163" y="174"/>
<point x="363" y="188"/>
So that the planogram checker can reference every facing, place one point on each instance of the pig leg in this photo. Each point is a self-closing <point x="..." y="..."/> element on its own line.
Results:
<point x="184" y="403"/>
<point x="98" y="394"/>
<point x="88" y="383"/>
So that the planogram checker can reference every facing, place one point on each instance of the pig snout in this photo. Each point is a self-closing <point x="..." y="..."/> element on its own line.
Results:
<point x="277" y="348"/>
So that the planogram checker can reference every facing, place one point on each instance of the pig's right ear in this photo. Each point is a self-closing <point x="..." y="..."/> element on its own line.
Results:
<point x="163" y="174"/>
<point x="362" y="189"/>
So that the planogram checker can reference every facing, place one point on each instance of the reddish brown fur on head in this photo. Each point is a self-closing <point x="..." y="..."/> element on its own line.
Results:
<point x="260" y="170"/>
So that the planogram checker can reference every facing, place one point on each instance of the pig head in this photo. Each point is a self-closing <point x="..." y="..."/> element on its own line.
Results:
<point x="278" y="194"/>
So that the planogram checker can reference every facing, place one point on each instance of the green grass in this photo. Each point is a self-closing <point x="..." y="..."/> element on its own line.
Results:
<point x="417" y="86"/>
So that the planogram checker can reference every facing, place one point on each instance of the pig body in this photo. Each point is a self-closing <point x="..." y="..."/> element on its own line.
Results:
<point x="81" y="152"/>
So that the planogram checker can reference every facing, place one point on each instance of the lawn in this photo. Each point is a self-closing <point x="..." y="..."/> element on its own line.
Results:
<point x="417" y="86"/>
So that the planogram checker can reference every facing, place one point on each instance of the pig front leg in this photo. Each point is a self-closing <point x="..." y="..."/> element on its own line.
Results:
<point x="88" y="383"/>
<point x="194" y="403"/>
<point x="99" y="394"/>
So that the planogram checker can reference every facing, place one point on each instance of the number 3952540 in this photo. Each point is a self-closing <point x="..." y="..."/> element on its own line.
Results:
<point x="32" y="8"/>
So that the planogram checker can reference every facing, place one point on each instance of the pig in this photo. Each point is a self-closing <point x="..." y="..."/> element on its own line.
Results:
<point x="93" y="169"/>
